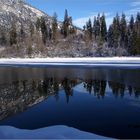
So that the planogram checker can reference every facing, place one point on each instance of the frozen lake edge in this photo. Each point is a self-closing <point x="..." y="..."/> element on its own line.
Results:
<point x="131" y="62"/>
<point x="52" y="132"/>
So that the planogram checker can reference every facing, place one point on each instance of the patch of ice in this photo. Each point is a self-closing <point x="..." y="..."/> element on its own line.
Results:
<point x="53" y="132"/>
<point x="100" y="61"/>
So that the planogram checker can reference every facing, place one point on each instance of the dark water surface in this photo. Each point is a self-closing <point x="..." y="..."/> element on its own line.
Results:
<point x="104" y="101"/>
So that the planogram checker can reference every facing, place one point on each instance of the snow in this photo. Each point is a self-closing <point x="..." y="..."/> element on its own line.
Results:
<point x="53" y="132"/>
<point x="38" y="13"/>
<point x="94" y="62"/>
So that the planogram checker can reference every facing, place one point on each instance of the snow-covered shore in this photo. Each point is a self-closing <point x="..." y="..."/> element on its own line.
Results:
<point x="95" y="61"/>
<point x="53" y="132"/>
<point x="82" y="59"/>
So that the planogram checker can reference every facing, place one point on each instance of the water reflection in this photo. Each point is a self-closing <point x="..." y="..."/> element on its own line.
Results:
<point x="124" y="76"/>
<point x="87" y="99"/>
<point x="20" y="95"/>
<point x="98" y="86"/>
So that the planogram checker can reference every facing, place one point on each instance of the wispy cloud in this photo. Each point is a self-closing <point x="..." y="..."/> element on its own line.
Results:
<point x="80" y="22"/>
<point x="134" y="9"/>
<point x="135" y="3"/>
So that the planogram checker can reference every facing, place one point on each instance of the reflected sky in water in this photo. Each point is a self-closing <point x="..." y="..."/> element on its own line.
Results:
<point x="102" y="101"/>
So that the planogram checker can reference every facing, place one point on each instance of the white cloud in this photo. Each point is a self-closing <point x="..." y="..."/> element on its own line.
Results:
<point x="80" y="22"/>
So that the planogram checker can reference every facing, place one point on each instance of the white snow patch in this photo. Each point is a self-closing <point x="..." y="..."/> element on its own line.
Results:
<point x="38" y="13"/>
<point x="95" y="61"/>
<point x="53" y="132"/>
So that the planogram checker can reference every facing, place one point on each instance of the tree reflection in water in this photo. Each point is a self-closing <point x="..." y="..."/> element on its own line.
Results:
<point x="98" y="86"/>
<point x="20" y="95"/>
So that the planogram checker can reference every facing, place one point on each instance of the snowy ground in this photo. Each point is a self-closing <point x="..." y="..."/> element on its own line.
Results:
<point x="53" y="132"/>
<point x="113" y="62"/>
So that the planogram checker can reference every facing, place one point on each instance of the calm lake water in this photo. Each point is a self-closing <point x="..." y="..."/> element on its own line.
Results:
<point x="104" y="101"/>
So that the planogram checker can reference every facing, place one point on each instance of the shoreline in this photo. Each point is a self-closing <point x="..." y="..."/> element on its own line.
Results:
<point x="133" y="62"/>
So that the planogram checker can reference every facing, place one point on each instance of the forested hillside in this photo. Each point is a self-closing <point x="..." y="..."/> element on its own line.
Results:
<point x="28" y="32"/>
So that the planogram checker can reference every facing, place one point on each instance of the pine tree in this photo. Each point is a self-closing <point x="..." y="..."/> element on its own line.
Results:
<point x="123" y="29"/>
<point x="84" y="28"/>
<point x="103" y="28"/>
<point x="136" y="36"/>
<point x="110" y="36"/>
<point x="135" y="48"/>
<point x="117" y="24"/>
<point x="131" y="24"/>
<point x="94" y="27"/>
<point x="50" y="33"/>
<point x="43" y="30"/>
<point x="98" y="25"/>
<point x="116" y="31"/>
<point x="13" y="35"/>
<point x="3" y="39"/>
<point x="138" y="17"/>
<point x="89" y="29"/>
<point x="31" y="28"/>
<point x="130" y="31"/>
<point x="137" y="24"/>
<point x="66" y="24"/>
<point x="138" y="33"/>
<point x="72" y="29"/>
<point x="38" y="24"/>
<point x="54" y="27"/>
<point x="22" y="33"/>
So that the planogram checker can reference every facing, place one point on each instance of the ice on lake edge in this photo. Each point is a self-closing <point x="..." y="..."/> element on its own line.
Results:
<point x="52" y="132"/>
<point x="132" y="62"/>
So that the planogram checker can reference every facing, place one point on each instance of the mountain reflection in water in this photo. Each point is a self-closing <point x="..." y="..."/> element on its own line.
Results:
<point x="87" y="99"/>
<point x="19" y="95"/>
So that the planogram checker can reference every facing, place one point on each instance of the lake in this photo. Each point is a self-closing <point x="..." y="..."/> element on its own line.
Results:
<point x="100" y="100"/>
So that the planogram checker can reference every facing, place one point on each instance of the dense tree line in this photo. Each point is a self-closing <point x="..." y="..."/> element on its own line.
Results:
<point x="48" y="30"/>
<point x="125" y="34"/>
<point x="120" y="34"/>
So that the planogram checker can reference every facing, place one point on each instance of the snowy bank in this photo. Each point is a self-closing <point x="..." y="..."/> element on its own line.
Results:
<point x="82" y="59"/>
<point x="93" y="61"/>
<point x="53" y="132"/>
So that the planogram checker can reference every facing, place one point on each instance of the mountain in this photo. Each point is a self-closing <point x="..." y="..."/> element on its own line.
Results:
<point x="23" y="33"/>
<point x="19" y="12"/>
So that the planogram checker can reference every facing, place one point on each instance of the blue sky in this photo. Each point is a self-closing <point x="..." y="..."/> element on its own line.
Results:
<point x="82" y="10"/>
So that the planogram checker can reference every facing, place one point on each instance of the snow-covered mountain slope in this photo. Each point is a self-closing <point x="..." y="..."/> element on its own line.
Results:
<point x="19" y="12"/>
